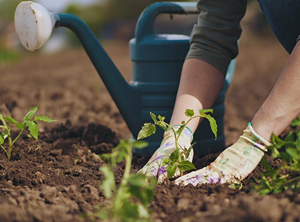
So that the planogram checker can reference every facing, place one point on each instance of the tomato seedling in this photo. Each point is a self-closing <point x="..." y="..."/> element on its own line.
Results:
<point x="179" y="158"/>
<point x="29" y="122"/>
<point x="132" y="196"/>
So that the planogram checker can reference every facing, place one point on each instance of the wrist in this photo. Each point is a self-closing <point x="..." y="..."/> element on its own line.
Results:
<point x="186" y="132"/>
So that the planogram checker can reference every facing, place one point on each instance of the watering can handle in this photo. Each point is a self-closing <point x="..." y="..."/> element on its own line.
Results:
<point x="146" y="20"/>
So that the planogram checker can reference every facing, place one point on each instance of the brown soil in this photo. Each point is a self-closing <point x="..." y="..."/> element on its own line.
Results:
<point x="57" y="178"/>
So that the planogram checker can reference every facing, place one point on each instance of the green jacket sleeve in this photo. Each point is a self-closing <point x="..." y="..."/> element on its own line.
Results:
<point x="214" y="38"/>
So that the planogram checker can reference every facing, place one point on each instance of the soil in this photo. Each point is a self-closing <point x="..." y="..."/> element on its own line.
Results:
<point x="57" y="178"/>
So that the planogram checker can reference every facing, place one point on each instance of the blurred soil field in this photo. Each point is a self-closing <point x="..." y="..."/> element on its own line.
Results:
<point x="45" y="183"/>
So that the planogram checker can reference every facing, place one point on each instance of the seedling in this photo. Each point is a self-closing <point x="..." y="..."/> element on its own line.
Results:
<point x="178" y="160"/>
<point x="131" y="198"/>
<point x="287" y="175"/>
<point x="29" y="122"/>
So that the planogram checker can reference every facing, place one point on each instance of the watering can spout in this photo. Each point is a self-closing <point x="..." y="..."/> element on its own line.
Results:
<point x="34" y="25"/>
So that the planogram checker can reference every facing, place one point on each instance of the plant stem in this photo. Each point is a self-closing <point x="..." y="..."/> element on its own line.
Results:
<point x="292" y="180"/>
<point x="4" y="149"/>
<point x="124" y="181"/>
<point x="9" y="138"/>
<point x="18" y="136"/>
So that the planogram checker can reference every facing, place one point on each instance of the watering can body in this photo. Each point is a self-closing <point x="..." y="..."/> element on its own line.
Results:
<point x="156" y="67"/>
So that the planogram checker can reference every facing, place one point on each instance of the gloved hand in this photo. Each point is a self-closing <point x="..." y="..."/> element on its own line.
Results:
<point x="233" y="164"/>
<point x="154" y="167"/>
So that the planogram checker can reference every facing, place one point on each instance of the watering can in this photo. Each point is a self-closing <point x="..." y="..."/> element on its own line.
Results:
<point x="157" y="61"/>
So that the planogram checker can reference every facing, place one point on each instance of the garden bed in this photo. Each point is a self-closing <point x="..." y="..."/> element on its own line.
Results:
<point x="57" y="178"/>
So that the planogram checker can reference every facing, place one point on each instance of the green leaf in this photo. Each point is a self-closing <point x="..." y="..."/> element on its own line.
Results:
<point x="161" y="118"/>
<point x="293" y="153"/>
<point x="182" y="122"/>
<point x="142" y="188"/>
<point x="121" y="155"/>
<point x="276" y="141"/>
<point x="236" y="186"/>
<point x="275" y="152"/>
<point x="33" y="129"/>
<point x="296" y="122"/>
<point x="212" y="122"/>
<point x="188" y="151"/>
<point x="205" y="111"/>
<point x="137" y="180"/>
<point x="101" y="214"/>
<point x="264" y="191"/>
<point x="298" y="143"/>
<point x="166" y="161"/>
<point x="147" y="130"/>
<point x="286" y="157"/>
<point x="290" y="137"/>
<point x="139" y="144"/>
<point x="189" y="113"/>
<point x="11" y="120"/>
<point x="30" y="114"/>
<point x="1" y="139"/>
<point x="108" y="183"/>
<point x="175" y="155"/>
<point x="128" y="212"/>
<point x="186" y="165"/>
<point x="105" y="156"/>
<point x="171" y="171"/>
<point x="20" y="125"/>
<point x="153" y="116"/>
<point x="44" y="119"/>
<point x="266" y="165"/>
<point x="162" y="125"/>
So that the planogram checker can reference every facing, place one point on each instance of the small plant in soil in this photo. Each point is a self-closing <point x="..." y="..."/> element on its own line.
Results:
<point x="178" y="160"/>
<point x="130" y="199"/>
<point x="29" y="122"/>
<point x="286" y="174"/>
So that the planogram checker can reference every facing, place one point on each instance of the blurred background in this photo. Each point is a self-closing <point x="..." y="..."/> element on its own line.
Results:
<point x="108" y="19"/>
<point x="60" y="78"/>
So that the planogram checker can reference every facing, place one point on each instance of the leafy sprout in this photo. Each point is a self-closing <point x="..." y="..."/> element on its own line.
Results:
<point x="132" y="196"/>
<point x="29" y="122"/>
<point x="179" y="158"/>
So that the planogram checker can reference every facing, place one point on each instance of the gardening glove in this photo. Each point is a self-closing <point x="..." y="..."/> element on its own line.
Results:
<point x="233" y="164"/>
<point x="154" y="167"/>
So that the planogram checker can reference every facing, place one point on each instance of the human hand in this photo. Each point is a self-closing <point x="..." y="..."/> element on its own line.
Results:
<point x="154" y="167"/>
<point x="234" y="164"/>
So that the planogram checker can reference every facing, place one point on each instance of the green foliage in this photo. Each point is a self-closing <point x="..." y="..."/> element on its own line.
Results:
<point x="28" y="123"/>
<point x="287" y="175"/>
<point x="178" y="160"/>
<point x="7" y="9"/>
<point x="132" y="196"/>
<point x="8" y="56"/>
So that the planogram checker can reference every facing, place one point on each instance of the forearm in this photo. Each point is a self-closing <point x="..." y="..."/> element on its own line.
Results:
<point x="199" y="87"/>
<point x="283" y="103"/>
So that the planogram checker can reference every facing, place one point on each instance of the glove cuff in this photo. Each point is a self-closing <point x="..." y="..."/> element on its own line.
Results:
<point x="251" y="136"/>
<point x="186" y="132"/>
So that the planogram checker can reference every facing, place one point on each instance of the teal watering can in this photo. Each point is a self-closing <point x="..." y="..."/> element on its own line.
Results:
<point x="157" y="61"/>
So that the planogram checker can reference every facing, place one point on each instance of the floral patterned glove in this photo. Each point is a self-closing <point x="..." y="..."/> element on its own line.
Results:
<point x="154" y="167"/>
<point x="233" y="164"/>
